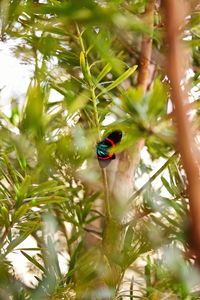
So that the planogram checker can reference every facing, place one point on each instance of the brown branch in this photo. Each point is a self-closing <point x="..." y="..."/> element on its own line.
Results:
<point x="121" y="175"/>
<point x="146" y="49"/>
<point x="175" y="12"/>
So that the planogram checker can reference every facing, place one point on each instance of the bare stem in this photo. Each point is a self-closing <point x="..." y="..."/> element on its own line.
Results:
<point x="175" y="12"/>
<point x="146" y="49"/>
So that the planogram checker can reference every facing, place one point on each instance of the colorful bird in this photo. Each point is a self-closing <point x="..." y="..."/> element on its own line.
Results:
<point x="103" y="148"/>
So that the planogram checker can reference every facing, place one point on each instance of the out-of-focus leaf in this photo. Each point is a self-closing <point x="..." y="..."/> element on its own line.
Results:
<point x="5" y="216"/>
<point x="46" y="200"/>
<point x="23" y="189"/>
<point x="20" y="212"/>
<point x="119" y="80"/>
<point x="157" y="101"/>
<point x="83" y="63"/>
<point x="128" y="239"/>
<point x="79" y="102"/>
<point x="103" y="73"/>
<point x="14" y="243"/>
<point x="46" y="187"/>
<point x="33" y="111"/>
<point x="53" y="258"/>
<point x="90" y="13"/>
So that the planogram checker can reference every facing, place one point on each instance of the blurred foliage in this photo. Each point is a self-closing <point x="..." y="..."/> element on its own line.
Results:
<point x="88" y="52"/>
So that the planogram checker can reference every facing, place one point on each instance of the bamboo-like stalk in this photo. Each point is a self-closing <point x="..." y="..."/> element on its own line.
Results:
<point x="175" y="12"/>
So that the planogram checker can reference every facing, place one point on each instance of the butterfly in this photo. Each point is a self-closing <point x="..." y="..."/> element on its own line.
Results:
<point x="103" y="148"/>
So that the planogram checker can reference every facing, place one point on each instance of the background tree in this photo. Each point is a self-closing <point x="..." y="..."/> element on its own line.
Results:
<point x="107" y="61"/>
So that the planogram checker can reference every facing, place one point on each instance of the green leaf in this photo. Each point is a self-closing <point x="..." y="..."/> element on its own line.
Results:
<point x="14" y="243"/>
<point x="53" y="257"/>
<point x="167" y="186"/>
<point x="33" y="261"/>
<point x="119" y="80"/>
<point x="33" y="113"/>
<point x="128" y="239"/>
<point x="83" y="63"/>
<point x="5" y="216"/>
<point x="85" y="68"/>
<point x="24" y="186"/>
<point x="20" y="212"/>
<point x="48" y="187"/>
<point x="11" y="172"/>
<point x="103" y="73"/>
<point x="79" y="102"/>
<point x="46" y="200"/>
<point x="157" y="100"/>
<point x="24" y="226"/>
<point x="147" y="271"/>
<point x="43" y="187"/>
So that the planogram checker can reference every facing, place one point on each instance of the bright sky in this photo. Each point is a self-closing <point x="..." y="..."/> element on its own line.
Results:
<point x="14" y="76"/>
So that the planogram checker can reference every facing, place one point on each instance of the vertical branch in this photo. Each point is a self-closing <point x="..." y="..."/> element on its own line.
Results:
<point x="146" y="49"/>
<point x="175" y="12"/>
<point x="121" y="175"/>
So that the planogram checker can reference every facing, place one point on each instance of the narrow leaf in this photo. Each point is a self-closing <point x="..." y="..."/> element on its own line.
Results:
<point x="20" y="212"/>
<point x="79" y="102"/>
<point x="103" y="73"/>
<point x="14" y="243"/>
<point x="167" y="186"/>
<point x="119" y="80"/>
<point x="83" y="63"/>
<point x="24" y="186"/>
<point x="33" y="261"/>
<point x="5" y="216"/>
<point x="45" y="200"/>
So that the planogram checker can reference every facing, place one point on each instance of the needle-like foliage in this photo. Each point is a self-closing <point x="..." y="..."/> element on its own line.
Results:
<point x="91" y="234"/>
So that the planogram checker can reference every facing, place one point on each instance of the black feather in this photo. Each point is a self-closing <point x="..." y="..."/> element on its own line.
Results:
<point x="104" y="155"/>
